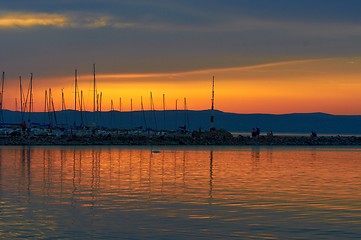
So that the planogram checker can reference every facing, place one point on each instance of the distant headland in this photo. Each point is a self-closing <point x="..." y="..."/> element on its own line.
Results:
<point x="190" y="120"/>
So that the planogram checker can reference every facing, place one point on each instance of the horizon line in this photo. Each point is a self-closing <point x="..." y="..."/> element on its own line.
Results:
<point x="172" y="110"/>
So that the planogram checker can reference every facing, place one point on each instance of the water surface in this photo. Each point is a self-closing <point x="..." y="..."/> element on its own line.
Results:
<point x="178" y="193"/>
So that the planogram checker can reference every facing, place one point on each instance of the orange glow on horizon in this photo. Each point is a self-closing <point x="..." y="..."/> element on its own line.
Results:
<point x="323" y="85"/>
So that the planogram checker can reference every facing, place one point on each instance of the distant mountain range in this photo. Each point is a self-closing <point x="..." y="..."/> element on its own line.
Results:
<point x="193" y="120"/>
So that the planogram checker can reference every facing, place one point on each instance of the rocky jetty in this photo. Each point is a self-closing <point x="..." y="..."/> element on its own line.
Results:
<point x="216" y="137"/>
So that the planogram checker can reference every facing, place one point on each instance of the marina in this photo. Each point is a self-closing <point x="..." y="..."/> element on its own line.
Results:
<point x="150" y="127"/>
<point x="80" y="122"/>
<point x="180" y="119"/>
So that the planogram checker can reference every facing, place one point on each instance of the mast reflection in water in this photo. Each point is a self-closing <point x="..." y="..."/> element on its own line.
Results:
<point x="218" y="192"/>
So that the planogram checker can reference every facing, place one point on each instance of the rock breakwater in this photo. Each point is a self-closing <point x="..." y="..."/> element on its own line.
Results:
<point x="218" y="137"/>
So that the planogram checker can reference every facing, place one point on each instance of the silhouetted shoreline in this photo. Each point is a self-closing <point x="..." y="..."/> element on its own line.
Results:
<point x="218" y="137"/>
<point x="198" y="119"/>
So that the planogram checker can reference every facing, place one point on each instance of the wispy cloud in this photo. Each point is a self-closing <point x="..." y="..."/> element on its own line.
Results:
<point x="221" y="23"/>
<point x="267" y="67"/>
<point x="28" y="20"/>
<point x="13" y="20"/>
<point x="297" y="27"/>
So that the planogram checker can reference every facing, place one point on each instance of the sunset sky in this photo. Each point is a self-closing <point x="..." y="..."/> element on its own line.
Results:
<point x="267" y="56"/>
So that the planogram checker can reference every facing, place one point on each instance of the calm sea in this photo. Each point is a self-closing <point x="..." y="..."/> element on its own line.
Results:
<point x="180" y="193"/>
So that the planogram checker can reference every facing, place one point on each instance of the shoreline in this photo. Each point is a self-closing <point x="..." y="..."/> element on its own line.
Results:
<point x="216" y="138"/>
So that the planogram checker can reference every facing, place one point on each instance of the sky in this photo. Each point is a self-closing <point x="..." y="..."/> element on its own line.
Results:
<point x="267" y="56"/>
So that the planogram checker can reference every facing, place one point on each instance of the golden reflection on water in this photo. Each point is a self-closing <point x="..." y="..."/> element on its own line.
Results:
<point x="174" y="172"/>
<point x="247" y="183"/>
<point x="182" y="173"/>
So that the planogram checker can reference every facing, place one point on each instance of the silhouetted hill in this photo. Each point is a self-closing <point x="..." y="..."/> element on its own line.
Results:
<point x="193" y="120"/>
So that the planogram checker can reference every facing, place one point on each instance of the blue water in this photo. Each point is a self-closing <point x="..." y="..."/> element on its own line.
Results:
<point x="180" y="193"/>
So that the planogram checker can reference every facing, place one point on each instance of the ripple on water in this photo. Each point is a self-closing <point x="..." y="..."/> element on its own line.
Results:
<point x="262" y="193"/>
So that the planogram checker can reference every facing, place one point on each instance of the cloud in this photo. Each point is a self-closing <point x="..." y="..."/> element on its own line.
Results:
<point x="84" y="20"/>
<point x="13" y="20"/>
<point x="28" y="20"/>
<point x="204" y="22"/>
<point x="251" y="70"/>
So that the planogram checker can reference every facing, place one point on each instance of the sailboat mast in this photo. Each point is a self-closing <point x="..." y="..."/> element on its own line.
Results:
<point x="213" y="94"/>
<point x="152" y="109"/>
<point x="176" y="114"/>
<point x="81" y="108"/>
<point x="51" y="122"/>
<point x="100" y="101"/>
<point x="21" y="96"/>
<point x="31" y="94"/>
<point x="63" y="107"/>
<point x="62" y="100"/>
<point x="2" y="96"/>
<point x="2" y="89"/>
<point x="164" y="111"/>
<point x="53" y="108"/>
<point x="75" y="87"/>
<point x="97" y="103"/>
<point x="46" y="101"/>
<point x="185" y="113"/>
<point x="131" y="112"/>
<point x="111" y="113"/>
<point x="81" y="101"/>
<point x="94" y="88"/>
<point x="212" y="108"/>
<point x="45" y="105"/>
<point x="49" y="100"/>
<point x="142" y="107"/>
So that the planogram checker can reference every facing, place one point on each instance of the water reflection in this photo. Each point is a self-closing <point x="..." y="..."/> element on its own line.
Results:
<point x="71" y="171"/>
<point x="249" y="192"/>
<point x="255" y="158"/>
<point x="1" y="157"/>
<point x="210" y="173"/>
